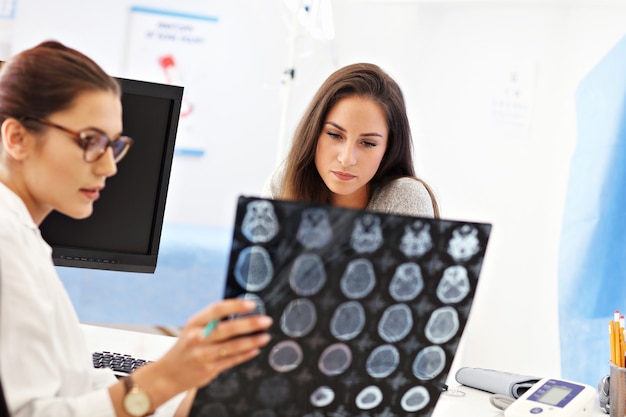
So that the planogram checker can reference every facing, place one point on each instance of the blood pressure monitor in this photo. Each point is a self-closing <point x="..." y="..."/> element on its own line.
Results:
<point x="554" y="398"/>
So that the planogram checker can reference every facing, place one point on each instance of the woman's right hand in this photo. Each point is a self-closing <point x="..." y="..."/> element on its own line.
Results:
<point x="196" y="359"/>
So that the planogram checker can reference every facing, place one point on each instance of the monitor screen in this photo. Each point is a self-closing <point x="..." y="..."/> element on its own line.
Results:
<point x="124" y="231"/>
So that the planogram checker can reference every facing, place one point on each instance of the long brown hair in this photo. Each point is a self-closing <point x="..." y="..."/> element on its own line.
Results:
<point x="46" y="79"/>
<point x="301" y="180"/>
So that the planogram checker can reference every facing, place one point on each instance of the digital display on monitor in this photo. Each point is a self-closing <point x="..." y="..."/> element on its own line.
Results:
<point x="124" y="231"/>
<point x="554" y="395"/>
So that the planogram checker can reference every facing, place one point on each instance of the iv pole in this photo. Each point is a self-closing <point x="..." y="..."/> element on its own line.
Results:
<point x="286" y="86"/>
<point x="309" y="10"/>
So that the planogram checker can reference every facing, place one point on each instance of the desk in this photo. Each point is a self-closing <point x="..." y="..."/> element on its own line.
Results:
<point x="475" y="403"/>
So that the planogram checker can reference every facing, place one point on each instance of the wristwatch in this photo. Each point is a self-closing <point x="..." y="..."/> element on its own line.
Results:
<point x="136" y="402"/>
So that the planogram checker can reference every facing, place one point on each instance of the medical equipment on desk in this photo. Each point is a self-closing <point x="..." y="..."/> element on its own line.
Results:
<point x="525" y="396"/>
<point x="553" y="397"/>
<point x="496" y="382"/>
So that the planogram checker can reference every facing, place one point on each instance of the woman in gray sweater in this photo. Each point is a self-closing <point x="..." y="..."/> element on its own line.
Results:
<point x="353" y="148"/>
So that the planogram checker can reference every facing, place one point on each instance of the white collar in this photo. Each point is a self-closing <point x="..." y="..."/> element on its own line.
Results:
<point x="12" y="202"/>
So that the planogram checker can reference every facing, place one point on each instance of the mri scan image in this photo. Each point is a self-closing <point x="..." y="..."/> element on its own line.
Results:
<point x="298" y="317"/>
<point x="407" y="282"/>
<point x="368" y="310"/>
<point x="348" y="320"/>
<point x="416" y="239"/>
<point x="254" y="269"/>
<point x="383" y="360"/>
<point x="285" y="356"/>
<point x="454" y="285"/>
<point x="307" y="275"/>
<point x="322" y="396"/>
<point x="367" y="235"/>
<point x="358" y="279"/>
<point x="396" y="323"/>
<point x="314" y="230"/>
<point x="260" y="223"/>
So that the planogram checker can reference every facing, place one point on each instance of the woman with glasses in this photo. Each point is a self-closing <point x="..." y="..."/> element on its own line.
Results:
<point x="353" y="148"/>
<point x="61" y="130"/>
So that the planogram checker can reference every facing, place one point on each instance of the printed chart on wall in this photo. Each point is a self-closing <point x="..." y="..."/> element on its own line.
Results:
<point x="7" y="9"/>
<point x="368" y="310"/>
<point x="164" y="46"/>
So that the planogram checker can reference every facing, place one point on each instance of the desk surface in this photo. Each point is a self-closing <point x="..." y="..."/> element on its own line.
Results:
<point x="474" y="403"/>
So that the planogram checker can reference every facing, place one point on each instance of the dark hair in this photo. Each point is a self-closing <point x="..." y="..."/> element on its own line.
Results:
<point x="46" y="79"/>
<point x="301" y="180"/>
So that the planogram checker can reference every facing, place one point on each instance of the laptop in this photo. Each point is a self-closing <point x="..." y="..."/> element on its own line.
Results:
<point x="368" y="310"/>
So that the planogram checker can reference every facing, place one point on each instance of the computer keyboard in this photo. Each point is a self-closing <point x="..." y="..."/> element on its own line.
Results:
<point x="121" y="364"/>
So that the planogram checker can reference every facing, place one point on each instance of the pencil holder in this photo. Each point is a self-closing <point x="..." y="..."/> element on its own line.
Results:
<point x="617" y="391"/>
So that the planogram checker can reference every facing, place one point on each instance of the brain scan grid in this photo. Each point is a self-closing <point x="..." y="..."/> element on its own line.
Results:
<point x="368" y="310"/>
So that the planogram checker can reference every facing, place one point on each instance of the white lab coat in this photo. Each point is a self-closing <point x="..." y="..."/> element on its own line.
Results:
<point x="45" y="365"/>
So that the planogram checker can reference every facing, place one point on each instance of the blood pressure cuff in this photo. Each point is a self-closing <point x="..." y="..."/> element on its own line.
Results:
<point x="496" y="382"/>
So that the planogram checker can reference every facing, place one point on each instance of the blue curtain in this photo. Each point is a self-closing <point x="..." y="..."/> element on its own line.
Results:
<point x="592" y="252"/>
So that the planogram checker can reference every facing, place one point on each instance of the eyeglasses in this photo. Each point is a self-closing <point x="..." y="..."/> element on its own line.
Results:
<point x="93" y="141"/>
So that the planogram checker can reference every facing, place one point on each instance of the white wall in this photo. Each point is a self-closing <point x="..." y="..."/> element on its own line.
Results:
<point x="490" y="154"/>
<point x="243" y="69"/>
<point x="489" y="162"/>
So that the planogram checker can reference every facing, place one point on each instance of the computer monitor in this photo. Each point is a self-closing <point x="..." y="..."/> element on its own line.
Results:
<point x="124" y="231"/>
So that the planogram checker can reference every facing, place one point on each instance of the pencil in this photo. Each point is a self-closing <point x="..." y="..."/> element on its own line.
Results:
<point x="612" y="342"/>
<point x="618" y="347"/>
<point x="615" y="339"/>
<point x="209" y="327"/>
<point x="621" y="341"/>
